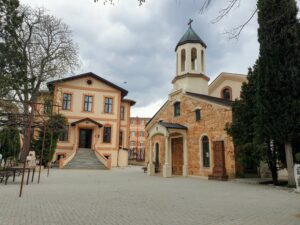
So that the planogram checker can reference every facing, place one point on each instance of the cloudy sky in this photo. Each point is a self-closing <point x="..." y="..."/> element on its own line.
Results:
<point x="133" y="46"/>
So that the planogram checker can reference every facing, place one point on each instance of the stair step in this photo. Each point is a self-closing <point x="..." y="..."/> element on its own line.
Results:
<point x="85" y="159"/>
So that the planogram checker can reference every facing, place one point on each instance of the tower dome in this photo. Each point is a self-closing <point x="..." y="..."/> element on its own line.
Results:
<point x="190" y="36"/>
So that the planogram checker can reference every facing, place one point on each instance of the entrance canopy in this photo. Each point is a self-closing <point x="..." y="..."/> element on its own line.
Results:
<point x="172" y="125"/>
<point x="87" y="120"/>
<point x="165" y="128"/>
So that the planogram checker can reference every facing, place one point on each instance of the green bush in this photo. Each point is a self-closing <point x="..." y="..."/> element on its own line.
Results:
<point x="9" y="142"/>
<point x="56" y="123"/>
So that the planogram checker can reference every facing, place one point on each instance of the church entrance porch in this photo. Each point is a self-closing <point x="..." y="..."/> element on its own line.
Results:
<point x="177" y="156"/>
<point x="86" y="133"/>
<point x="173" y="142"/>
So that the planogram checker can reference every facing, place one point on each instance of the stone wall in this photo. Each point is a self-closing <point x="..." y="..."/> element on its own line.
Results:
<point x="160" y="139"/>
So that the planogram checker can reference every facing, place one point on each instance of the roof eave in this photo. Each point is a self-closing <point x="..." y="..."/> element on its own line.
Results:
<point x="190" y="42"/>
<point x="123" y="91"/>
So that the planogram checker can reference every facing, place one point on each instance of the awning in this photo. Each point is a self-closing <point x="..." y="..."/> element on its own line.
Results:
<point x="172" y="125"/>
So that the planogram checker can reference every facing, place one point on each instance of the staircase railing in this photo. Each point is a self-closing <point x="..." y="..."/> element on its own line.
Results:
<point x="105" y="161"/>
<point x="63" y="162"/>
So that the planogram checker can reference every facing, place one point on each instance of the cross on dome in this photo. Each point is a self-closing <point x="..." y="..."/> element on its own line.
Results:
<point x="190" y="22"/>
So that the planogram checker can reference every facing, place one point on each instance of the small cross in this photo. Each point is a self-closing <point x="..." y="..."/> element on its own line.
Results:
<point x="190" y="22"/>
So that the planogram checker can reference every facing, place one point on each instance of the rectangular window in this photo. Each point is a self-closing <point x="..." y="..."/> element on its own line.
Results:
<point x="142" y="144"/>
<point x="88" y="103"/>
<point x="198" y="114"/>
<point x="106" y="134"/>
<point x="177" y="109"/>
<point x="132" y="133"/>
<point x="122" y="113"/>
<point x="142" y="133"/>
<point x="133" y="121"/>
<point x="108" y="105"/>
<point x="132" y="143"/>
<point x="64" y="134"/>
<point x="66" y="101"/>
<point x="121" y="139"/>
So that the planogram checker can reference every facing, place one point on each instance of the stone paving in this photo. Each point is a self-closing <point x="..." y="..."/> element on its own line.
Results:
<point x="130" y="197"/>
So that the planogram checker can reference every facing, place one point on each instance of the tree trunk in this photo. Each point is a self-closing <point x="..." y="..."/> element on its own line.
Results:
<point x="289" y="163"/>
<point x="272" y="163"/>
<point x="24" y="122"/>
<point x="274" y="174"/>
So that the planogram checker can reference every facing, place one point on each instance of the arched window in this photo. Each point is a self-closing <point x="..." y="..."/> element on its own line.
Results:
<point x="157" y="156"/>
<point x="202" y="60"/>
<point x="183" y="60"/>
<point x="205" y="152"/>
<point x="177" y="109"/>
<point x="226" y="93"/>
<point x="194" y="59"/>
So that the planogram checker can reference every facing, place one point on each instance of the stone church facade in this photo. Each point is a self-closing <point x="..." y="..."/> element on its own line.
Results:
<point x="187" y="135"/>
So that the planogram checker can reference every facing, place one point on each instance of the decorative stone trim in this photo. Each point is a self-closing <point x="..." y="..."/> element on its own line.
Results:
<point x="190" y="75"/>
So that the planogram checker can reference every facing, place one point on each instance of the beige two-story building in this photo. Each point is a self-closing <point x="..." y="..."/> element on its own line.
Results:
<point x="98" y="117"/>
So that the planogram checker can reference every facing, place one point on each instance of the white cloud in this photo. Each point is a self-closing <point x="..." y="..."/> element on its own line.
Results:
<point x="149" y="110"/>
<point x="132" y="43"/>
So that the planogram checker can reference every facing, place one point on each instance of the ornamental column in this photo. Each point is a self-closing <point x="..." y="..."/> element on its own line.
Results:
<point x="150" y="168"/>
<point x="167" y="171"/>
<point x="185" y="157"/>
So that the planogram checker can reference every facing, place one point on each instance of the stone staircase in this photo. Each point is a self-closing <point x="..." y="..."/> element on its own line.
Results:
<point x="85" y="158"/>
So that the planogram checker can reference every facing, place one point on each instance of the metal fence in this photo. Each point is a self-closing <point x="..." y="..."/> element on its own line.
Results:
<point x="136" y="154"/>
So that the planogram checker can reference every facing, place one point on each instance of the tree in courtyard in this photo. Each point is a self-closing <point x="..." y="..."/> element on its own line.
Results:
<point x="49" y="52"/>
<point x="250" y="149"/>
<point x="12" y="61"/>
<point x="242" y="128"/>
<point x="55" y="125"/>
<point x="266" y="119"/>
<point x="278" y="76"/>
<point x="47" y="48"/>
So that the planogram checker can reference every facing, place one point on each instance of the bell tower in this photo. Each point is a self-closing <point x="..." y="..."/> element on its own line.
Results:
<point x="190" y="63"/>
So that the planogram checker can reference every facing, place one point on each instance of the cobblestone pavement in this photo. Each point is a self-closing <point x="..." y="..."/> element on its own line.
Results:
<point x="130" y="197"/>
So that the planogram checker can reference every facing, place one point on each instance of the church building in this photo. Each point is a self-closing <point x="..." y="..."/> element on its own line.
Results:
<point x="187" y="135"/>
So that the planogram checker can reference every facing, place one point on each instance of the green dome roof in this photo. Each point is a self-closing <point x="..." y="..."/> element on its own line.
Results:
<point x="190" y="36"/>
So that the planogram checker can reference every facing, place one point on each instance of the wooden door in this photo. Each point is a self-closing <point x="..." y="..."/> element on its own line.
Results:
<point x="219" y="170"/>
<point x="177" y="156"/>
<point x="85" y="138"/>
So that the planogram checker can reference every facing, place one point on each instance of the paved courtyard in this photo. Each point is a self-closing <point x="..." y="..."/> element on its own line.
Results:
<point x="129" y="197"/>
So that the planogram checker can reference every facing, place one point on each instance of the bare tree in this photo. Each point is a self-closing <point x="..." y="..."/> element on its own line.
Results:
<point x="49" y="50"/>
<point x="235" y="32"/>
